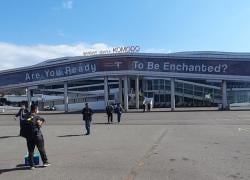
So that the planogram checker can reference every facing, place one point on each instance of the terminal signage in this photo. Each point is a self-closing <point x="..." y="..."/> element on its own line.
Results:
<point x="129" y="63"/>
<point x="114" y="50"/>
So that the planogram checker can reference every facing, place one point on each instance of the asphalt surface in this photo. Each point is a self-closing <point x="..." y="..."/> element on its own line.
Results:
<point x="206" y="145"/>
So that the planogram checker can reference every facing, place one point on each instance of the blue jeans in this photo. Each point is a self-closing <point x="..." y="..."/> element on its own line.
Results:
<point x="87" y="126"/>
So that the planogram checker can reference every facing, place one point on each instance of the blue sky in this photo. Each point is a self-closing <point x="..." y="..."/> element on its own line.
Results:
<point x="41" y="29"/>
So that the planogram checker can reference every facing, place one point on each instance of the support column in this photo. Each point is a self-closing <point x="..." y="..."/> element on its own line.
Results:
<point x="29" y="97"/>
<point x="224" y="95"/>
<point x="172" y="94"/>
<point x="125" y="93"/>
<point x="137" y="92"/>
<point x="66" y="97"/>
<point x="106" y="93"/>
<point x="129" y="85"/>
<point x="120" y="91"/>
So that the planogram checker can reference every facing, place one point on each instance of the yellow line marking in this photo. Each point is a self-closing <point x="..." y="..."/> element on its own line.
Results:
<point x="140" y="164"/>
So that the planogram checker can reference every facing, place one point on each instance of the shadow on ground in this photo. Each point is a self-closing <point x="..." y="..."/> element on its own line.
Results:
<point x="101" y="123"/>
<point x="5" y="137"/>
<point x="19" y="167"/>
<point x="70" y="135"/>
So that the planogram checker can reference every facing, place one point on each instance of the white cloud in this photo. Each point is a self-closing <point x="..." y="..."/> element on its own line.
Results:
<point x="67" y="4"/>
<point x="13" y="56"/>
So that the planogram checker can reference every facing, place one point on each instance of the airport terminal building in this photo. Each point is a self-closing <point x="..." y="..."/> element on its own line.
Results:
<point x="184" y="79"/>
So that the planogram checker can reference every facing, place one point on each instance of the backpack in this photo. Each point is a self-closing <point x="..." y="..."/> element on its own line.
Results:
<point x="26" y="130"/>
<point x="118" y="110"/>
<point x="109" y="109"/>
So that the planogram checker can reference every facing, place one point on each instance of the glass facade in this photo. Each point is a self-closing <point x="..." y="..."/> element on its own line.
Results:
<point x="193" y="93"/>
<point x="188" y="93"/>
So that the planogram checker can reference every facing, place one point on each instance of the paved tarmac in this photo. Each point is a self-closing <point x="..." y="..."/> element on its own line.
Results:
<point x="196" y="145"/>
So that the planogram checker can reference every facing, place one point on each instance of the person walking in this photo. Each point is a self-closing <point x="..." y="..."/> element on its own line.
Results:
<point x="149" y="107"/>
<point x="87" y="117"/>
<point x="118" y="111"/>
<point x="109" y="112"/>
<point x="144" y="107"/>
<point x="34" y="136"/>
<point x="22" y="114"/>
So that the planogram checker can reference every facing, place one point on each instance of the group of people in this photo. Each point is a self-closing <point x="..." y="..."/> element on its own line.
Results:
<point x="30" y="129"/>
<point x="110" y="109"/>
<point x="31" y="123"/>
<point x="87" y="113"/>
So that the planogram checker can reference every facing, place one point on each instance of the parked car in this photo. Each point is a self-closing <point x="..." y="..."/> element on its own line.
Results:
<point x="49" y="108"/>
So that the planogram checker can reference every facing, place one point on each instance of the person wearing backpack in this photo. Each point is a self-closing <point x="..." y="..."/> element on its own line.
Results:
<point x="87" y="117"/>
<point x="34" y="136"/>
<point x="109" y="111"/>
<point x="118" y="111"/>
<point x="22" y="114"/>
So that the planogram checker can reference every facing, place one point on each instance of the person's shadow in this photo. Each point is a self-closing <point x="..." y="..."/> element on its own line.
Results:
<point x="5" y="137"/>
<point x="19" y="167"/>
<point x="70" y="135"/>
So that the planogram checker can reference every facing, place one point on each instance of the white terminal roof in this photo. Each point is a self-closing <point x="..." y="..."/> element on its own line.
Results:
<point x="188" y="54"/>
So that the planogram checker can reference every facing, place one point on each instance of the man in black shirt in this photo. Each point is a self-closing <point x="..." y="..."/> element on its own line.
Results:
<point x="87" y="117"/>
<point x="34" y="136"/>
<point x="109" y="111"/>
<point x="118" y="111"/>
<point x="22" y="114"/>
